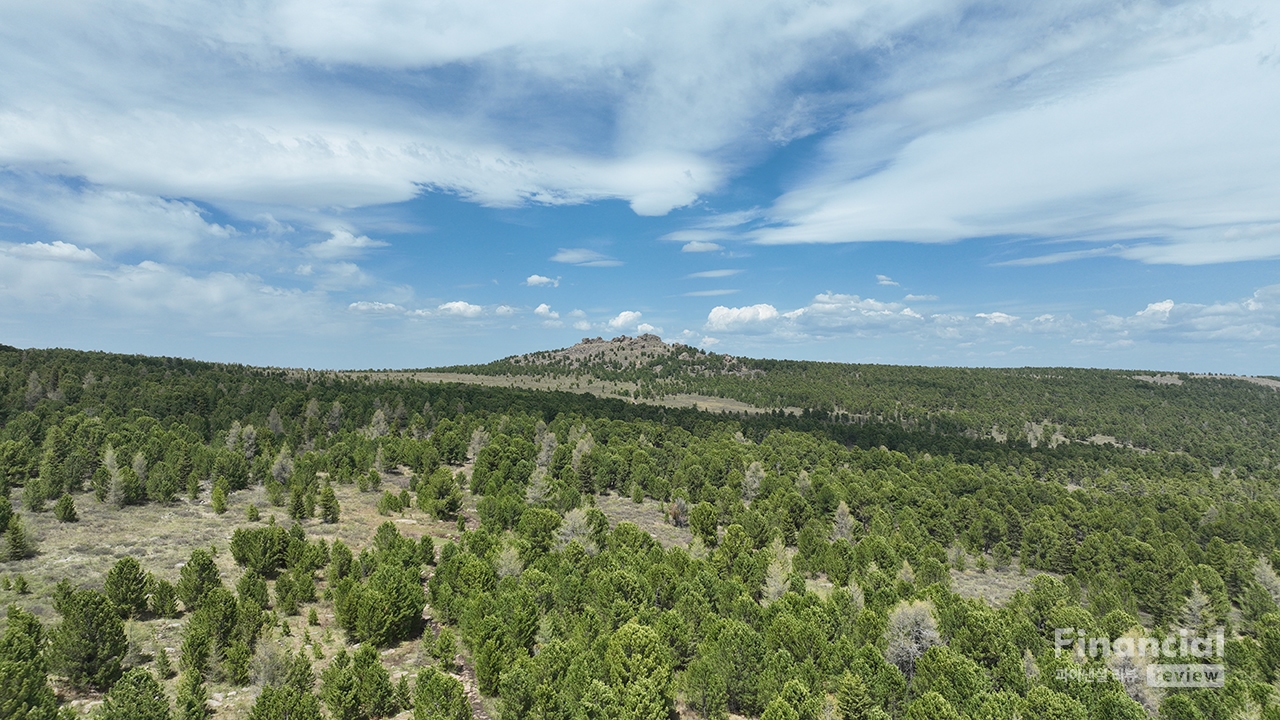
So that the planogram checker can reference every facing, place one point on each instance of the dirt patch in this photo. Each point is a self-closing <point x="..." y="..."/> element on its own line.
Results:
<point x="993" y="587"/>
<point x="1265" y="382"/>
<point x="648" y="516"/>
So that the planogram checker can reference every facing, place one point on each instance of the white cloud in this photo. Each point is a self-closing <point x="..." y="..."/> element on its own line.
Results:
<point x="375" y="307"/>
<point x="997" y="318"/>
<point x="699" y="246"/>
<point x="1163" y="145"/>
<point x="56" y="250"/>
<point x="582" y="325"/>
<point x="544" y="310"/>
<point x="582" y="257"/>
<point x="343" y="244"/>
<point x="647" y="328"/>
<point x="577" y="313"/>
<point x="461" y="308"/>
<point x="710" y="293"/>
<point x="713" y="274"/>
<point x="504" y="310"/>
<point x="110" y="220"/>
<point x="541" y="280"/>
<point x="624" y="320"/>
<point x="919" y="298"/>
<point x="885" y="280"/>
<point x="727" y="318"/>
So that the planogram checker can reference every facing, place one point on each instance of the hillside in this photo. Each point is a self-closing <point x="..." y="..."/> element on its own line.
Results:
<point x="292" y="545"/>
<point x="1226" y="420"/>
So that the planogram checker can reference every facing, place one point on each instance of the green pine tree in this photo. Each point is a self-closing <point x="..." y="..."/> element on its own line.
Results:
<point x="192" y="698"/>
<point x="65" y="509"/>
<point x="16" y="544"/>
<point x="137" y="696"/>
<point x="89" y="644"/>
<point x="328" y="504"/>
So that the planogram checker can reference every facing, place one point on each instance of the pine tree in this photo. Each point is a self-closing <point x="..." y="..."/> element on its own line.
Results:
<point x="164" y="598"/>
<point x="328" y="504"/>
<point x="16" y="544"/>
<point x="164" y="667"/>
<point x="852" y="698"/>
<point x="437" y="696"/>
<point x="446" y="648"/>
<point x="197" y="578"/>
<point x="218" y="498"/>
<point x="65" y="510"/>
<point x="25" y="693"/>
<point x="89" y="645"/>
<point x="285" y="703"/>
<point x="126" y="585"/>
<point x="137" y="696"/>
<point x="192" y="698"/>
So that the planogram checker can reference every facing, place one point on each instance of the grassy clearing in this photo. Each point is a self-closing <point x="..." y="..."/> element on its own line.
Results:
<point x="648" y="516"/>
<point x="161" y="537"/>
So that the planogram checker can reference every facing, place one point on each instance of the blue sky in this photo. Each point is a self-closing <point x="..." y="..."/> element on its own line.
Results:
<point x="409" y="184"/>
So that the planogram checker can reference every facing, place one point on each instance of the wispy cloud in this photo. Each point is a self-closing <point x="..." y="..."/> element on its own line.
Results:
<point x="583" y="257"/>
<point x="541" y="281"/>
<point x="343" y="244"/>
<point x="885" y="280"/>
<point x="713" y="274"/>
<point x="701" y="246"/>
<point x="710" y="293"/>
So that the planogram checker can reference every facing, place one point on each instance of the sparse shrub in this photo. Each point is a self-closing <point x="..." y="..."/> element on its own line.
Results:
<point x="251" y="513"/>
<point x="17" y="546"/>
<point x="20" y="585"/>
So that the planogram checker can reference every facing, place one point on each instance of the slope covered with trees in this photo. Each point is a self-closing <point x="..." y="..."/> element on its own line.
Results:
<point x="439" y="551"/>
<point x="1229" y="422"/>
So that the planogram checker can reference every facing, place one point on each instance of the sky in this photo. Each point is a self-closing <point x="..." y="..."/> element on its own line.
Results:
<point x="386" y="183"/>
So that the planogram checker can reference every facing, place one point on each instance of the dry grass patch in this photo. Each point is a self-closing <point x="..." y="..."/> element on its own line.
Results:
<point x="648" y="516"/>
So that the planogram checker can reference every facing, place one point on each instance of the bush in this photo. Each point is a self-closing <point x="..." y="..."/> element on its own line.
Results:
<point x="198" y="577"/>
<point x="65" y="510"/>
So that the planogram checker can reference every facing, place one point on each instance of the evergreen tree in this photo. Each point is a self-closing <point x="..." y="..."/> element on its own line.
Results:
<point x="16" y="544"/>
<point x="328" y="504"/>
<point x="852" y="698"/>
<point x="285" y="703"/>
<point x="126" y="586"/>
<point x="197" y="578"/>
<point x="24" y="689"/>
<point x="164" y="667"/>
<point x="89" y="644"/>
<point x="437" y="696"/>
<point x="192" y="698"/>
<point x="65" y="509"/>
<point x="164" y="598"/>
<point x="136" y="696"/>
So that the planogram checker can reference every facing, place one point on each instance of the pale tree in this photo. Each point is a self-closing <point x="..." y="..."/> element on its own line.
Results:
<point x="842" y="528"/>
<point x="576" y="527"/>
<point x="1266" y="576"/>
<point x="334" y="421"/>
<point x="249" y="439"/>
<point x="1197" y="614"/>
<point x="508" y="563"/>
<point x="479" y="441"/>
<point x="274" y="423"/>
<point x="751" y="480"/>
<point x="282" y="467"/>
<point x="777" y="575"/>
<point x="233" y="435"/>
<point x="378" y="426"/>
<point x="140" y="466"/>
<point x="911" y="631"/>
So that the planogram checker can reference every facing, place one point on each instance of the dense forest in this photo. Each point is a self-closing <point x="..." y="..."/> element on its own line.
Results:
<point x="403" y="549"/>
<point x="1229" y="422"/>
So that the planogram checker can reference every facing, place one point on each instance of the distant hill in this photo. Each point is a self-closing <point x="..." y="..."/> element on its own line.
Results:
<point x="1227" y="420"/>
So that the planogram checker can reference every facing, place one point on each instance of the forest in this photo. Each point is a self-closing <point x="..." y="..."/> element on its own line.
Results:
<point x="1224" y="420"/>
<point x="194" y="540"/>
